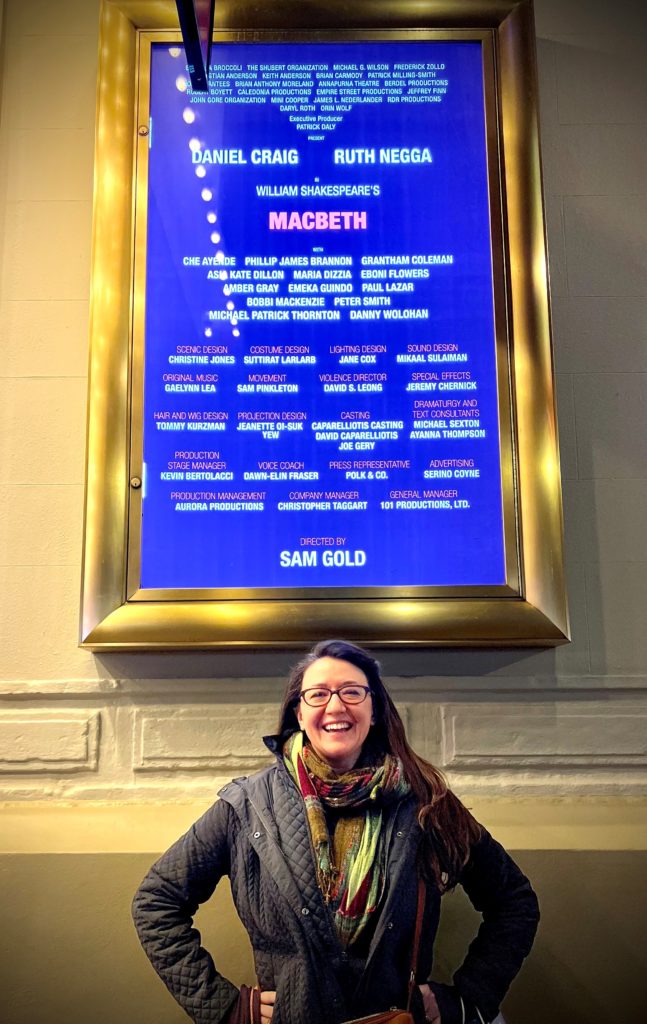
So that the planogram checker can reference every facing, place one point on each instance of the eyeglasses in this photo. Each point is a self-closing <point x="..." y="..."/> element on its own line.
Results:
<point x="350" y="693"/>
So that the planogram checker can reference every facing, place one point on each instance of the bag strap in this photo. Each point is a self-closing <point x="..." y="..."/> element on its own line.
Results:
<point x="416" y="941"/>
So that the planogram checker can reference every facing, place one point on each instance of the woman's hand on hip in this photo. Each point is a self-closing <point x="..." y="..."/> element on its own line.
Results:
<point x="267" y="1006"/>
<point x="432" y="1013"/>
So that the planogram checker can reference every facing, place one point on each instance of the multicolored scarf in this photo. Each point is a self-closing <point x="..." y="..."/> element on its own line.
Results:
<point x="350" y="868"/>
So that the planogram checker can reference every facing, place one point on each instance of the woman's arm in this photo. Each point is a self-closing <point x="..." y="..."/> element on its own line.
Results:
<point x="502" y="893"/>
<point x="163" y="908"/>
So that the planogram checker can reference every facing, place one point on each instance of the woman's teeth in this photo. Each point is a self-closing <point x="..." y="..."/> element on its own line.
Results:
<point x="337" y="727"/>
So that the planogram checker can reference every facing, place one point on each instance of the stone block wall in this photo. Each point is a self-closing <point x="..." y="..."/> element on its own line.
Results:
<point x="147" y="727"/>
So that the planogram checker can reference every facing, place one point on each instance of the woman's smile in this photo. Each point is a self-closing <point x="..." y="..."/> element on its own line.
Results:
<point x="336" y="731"/>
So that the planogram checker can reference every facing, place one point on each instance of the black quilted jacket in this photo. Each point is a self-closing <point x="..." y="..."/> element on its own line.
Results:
<point x="257" y="835"/>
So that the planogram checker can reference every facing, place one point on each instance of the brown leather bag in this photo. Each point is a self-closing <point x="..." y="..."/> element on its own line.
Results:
<point x="388" y="1017"/>
<point x="402" y="1016"/>
<point x="247" y="1008"/>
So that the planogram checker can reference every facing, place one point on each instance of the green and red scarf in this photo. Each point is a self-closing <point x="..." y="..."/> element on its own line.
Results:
<point x="350" y="864"/>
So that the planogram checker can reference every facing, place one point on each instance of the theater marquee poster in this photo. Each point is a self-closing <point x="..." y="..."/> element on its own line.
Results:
<point x="321" y="397"/>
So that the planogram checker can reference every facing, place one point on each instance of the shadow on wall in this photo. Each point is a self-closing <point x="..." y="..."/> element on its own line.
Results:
<point x="593" y="116"/>
<point x="267" y="664"/>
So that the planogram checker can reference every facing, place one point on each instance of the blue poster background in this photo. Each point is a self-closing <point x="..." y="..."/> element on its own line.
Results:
<point x="199" y="209"/>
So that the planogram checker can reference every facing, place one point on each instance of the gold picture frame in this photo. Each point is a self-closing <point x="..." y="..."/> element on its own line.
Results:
<point x="530" y="609"/>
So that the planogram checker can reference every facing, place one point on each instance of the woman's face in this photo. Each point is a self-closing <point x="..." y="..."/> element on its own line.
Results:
<point x="336" y="731"/>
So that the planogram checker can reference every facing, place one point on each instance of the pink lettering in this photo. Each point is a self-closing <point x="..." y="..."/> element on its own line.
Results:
<point x="318" y="220"/>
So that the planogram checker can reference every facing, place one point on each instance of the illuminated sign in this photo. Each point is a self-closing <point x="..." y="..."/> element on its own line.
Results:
<point x="320" y="403"/>
<point x="321" y="394"/>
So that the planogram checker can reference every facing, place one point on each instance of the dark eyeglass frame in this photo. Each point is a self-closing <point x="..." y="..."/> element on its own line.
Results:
<point x="339" y="692"/>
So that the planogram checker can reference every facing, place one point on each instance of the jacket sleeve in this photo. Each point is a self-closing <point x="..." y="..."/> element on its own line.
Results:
<point x="163" y="908"/>
<point x="503" y="895"/>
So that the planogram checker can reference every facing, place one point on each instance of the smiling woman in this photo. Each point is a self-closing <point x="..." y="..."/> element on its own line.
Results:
<point x="333" y="711"/>
<point x="329" y="852"/>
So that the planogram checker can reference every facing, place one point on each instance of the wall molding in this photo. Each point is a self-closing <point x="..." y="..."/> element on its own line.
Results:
<point x="539" y="687"/>
<point x="500" y="736"/>
<point x="200" y="738"/>
<point x="46" y="742"/>
<point x="173" y="742"/>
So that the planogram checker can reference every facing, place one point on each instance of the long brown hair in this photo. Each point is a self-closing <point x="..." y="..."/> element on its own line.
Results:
<point x="449" y="828"/>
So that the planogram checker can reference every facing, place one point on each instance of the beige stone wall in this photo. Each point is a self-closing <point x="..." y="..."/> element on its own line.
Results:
<point x="167" y="726"/>
<point x="136" y="727"/>
<point x="121" y="734"/>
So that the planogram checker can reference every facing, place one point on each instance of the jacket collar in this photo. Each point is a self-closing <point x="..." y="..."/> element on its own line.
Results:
<point x="275" y="743"/>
